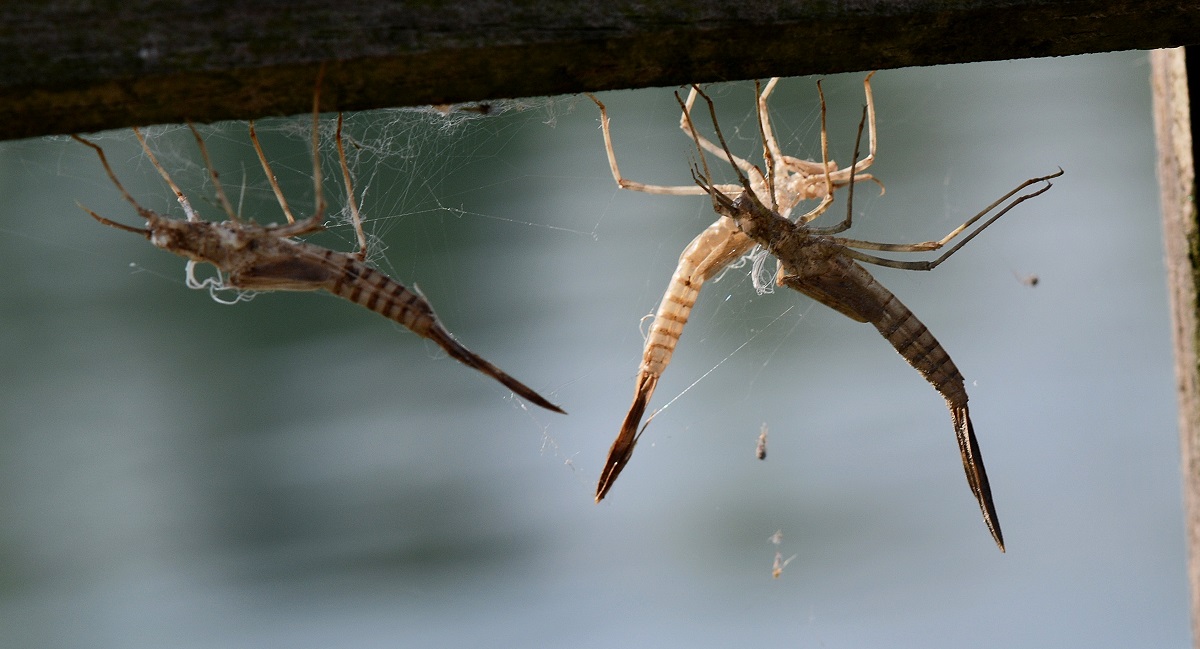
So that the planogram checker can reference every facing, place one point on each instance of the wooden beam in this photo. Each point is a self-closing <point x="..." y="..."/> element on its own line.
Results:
<point x="1174" y="117"/>
<point x="91" y="65"/>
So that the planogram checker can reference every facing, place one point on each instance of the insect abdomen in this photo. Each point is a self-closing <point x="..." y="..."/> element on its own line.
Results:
<point x="917" y="345"/>
<point x="706" y="255"/>
<point x="365" y="286"/>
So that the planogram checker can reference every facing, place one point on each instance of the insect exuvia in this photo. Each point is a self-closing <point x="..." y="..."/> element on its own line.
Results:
<point x="253" y="257"/>
<point x="826" y="268"/>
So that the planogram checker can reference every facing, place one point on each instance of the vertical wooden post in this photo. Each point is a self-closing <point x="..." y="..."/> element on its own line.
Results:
<point x="1177" y="184"/>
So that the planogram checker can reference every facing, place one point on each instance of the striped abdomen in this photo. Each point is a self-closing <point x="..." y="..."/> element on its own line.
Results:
<point x="363" y="285"/>
<point x="917" y="345"/>
<point x="709" y="253"/>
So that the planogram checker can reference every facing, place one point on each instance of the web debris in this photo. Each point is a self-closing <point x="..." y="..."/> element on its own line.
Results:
<point x="780" y="563"/>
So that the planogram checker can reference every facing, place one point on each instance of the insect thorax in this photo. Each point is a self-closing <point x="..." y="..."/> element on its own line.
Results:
<point x="199" y="240"/>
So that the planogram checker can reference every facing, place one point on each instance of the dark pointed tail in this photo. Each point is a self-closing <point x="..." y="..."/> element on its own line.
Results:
<point x="977" y="478"/>
<point x="455" y="349"/>
<point x="622" y="447"/>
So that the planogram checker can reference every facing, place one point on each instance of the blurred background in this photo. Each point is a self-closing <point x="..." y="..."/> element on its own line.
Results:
<point x="295" y="471"/>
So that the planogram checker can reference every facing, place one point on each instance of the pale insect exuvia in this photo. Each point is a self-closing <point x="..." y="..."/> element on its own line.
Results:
<point x="787" y="181"/>
<point x="760" y="449"/>
<point x="253" y="257"/>
<point x="826" y="268"/>
<point x="780" y="563"/>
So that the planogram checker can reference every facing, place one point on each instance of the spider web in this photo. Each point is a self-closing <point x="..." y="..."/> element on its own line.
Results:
<point x="402" y="162"/>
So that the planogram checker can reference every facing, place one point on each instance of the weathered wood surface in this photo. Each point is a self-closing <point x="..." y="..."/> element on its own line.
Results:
<point x="1173" y="119"/>
<point x="90" y="65"/>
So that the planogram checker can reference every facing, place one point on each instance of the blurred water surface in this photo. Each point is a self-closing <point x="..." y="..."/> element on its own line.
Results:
<point x="294" y="471"/>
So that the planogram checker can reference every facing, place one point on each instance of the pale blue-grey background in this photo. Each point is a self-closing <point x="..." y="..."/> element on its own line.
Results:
<point x="297" y="472"/>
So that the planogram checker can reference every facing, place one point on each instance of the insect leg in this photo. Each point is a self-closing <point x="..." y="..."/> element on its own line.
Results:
<point x="935" y="245"/>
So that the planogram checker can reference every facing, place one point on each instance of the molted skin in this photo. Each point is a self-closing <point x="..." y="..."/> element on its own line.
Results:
<point x="264" y="258"/>
<point x="252" y="257"/>
<point x="820" y="265"/>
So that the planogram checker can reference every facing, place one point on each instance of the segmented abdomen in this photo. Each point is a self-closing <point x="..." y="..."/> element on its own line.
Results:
<point x="916" y="344"/>
<point x="710" y="252"/>
<point x="363" y="285"/>
<point x="355" y="281"/>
